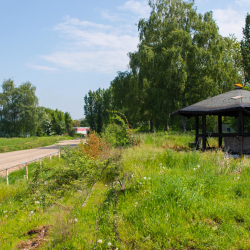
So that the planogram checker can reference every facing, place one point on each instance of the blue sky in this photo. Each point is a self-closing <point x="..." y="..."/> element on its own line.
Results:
<point x="66" y="48"/>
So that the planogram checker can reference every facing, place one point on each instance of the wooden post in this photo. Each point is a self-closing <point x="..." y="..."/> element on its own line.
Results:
<point x="50" y="157"/>
<point x="220" y="129"/>
<point x="241" y="129"/>
<point x="204" y="138"/>
<point x="59" y="155"/>
<point x="197" y="131"/>
<point x="27" y="171"/>
<point x="7" y="176"/>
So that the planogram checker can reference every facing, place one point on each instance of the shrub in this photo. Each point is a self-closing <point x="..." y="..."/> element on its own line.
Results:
<point x="116" y="135"/>
<point x="95" y="146"/>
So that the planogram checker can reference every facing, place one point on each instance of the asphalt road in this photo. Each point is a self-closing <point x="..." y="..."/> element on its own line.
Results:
<point x="17" y="158"/>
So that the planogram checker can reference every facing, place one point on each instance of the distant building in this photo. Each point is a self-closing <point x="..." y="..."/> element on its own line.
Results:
<point x="225" y="128"/>
<point x="81" y="130"/>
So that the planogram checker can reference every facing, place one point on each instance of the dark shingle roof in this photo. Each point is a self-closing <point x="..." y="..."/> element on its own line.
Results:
<point x="225" y="104"/>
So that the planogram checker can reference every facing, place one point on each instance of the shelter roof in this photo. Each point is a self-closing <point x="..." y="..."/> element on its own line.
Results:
<point x="226" y="104"/>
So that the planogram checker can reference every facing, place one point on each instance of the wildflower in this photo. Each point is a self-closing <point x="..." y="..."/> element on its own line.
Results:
<point x="109" y="244"/>
<point x="116" y="248"/>
<point x="100" y="241"/>
<point x="5" y="211"/>
<point x="37" y="202"/>
<point x="31" y="212"/>
<point x="106" y="185"/>
<point x="194" y="169"/>
<point x="163" y="167"/>
<point x="238" y="177"/>
<point x="76" y="220"/>
<point x="136" y="203"/>
<point x="149" y="178"/>
<point x="145" y="178"/>
<point x="160" y="164"/>
<point x="198" y="166"/>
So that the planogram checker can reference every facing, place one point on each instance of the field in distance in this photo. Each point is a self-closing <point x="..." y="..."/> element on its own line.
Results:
<point x="14" y="144"/>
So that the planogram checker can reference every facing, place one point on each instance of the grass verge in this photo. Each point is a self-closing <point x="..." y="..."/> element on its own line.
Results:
<point x="177" y="199"/>
<point x="14" y="144"/>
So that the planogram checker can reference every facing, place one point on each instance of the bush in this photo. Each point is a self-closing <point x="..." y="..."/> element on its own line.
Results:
<point x="116" y="135"/>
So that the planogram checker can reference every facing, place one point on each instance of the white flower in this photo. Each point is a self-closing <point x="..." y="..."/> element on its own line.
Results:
<point x="116" y="248"/>
<point x="109" y="244"/>
<point x="145" y="178"/>
<point x="136" y="203"/>
<point x="31" y="212"/>
<point x="37" y="202"/>
<point x="198" y="166"/>
<point x="160" y="164"/>
<point x="194" y="169"/>
<point x="163" y="167"/>
<point x="106" y="185"/>
<point x="238" y="177"/>
<point x="100" y="241"/>
<point x="76" y="220"/>
<point x="149" y="178"/>
<point x="5" y="211"/>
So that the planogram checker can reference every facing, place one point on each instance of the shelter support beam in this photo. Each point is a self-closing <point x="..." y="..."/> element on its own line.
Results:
<point x="204" y="138"/>
<point x="220" y="129"/>
<point x="241" y="129"/>
<point x="197" y="131"/>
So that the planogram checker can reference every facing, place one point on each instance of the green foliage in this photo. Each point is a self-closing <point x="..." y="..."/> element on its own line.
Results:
<point x="245" y="50"/>
<point x="173" y="199"/>
<point x="116" y="135"/>
<point x="18" y="108"/>
<point x="181" y="59"/>
<point x="47" y="125"/>
<point x="27" y="142"/>
<point x="84" y="123"/>
<point x="95" y="108"/>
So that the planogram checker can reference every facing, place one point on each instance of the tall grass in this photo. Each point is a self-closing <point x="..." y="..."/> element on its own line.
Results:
<point x="177" y="199"/>
<point x="14" y="144"/>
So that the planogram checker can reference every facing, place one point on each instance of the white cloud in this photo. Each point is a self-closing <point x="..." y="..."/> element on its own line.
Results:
<point x="92" y="47"/>
<point x="141" y="8"/>
<point x="110" y="17"/>
<point x="243" y="2"/>
<point x="230" y="21"/>
<point x="40" y="67"/>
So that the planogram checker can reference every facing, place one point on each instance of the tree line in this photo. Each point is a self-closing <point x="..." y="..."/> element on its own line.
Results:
<point x="181" y="59"/>
<point x="20" y="114"/>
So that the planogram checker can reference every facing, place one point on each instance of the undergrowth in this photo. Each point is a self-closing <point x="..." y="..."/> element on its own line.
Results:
<point x="174" y="198"/>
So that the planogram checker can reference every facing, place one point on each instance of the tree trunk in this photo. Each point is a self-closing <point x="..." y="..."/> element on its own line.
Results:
<point x="183" y="119"/>
<point x="151" y="125"/>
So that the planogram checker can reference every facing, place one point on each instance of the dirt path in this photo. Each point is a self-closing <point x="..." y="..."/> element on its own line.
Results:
<point x="17" y="158"/>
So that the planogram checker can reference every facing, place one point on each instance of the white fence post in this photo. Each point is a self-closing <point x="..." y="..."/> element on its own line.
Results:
<point x="7" y="176"/>
<point x="27" y="171"/>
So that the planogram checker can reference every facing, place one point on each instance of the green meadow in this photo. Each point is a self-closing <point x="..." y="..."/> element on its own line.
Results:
<point x="174" y="198"/>
<point x="14" y="144"/>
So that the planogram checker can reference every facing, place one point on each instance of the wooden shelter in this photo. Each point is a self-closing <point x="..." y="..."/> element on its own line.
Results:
<point x="235" y="103"/>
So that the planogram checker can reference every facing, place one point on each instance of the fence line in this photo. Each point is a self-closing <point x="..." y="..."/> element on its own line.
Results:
<point x="26" y="164"/>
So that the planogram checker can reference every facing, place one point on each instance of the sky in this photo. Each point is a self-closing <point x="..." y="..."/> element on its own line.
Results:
<point x="67" y="47"/>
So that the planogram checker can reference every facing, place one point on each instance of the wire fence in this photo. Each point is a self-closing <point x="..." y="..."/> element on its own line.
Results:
<point x="25" y="164"/>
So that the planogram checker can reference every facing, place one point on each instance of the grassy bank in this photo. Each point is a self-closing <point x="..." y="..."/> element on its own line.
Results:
<point x="177" y="199"/>
<point x="14" y="144"/>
